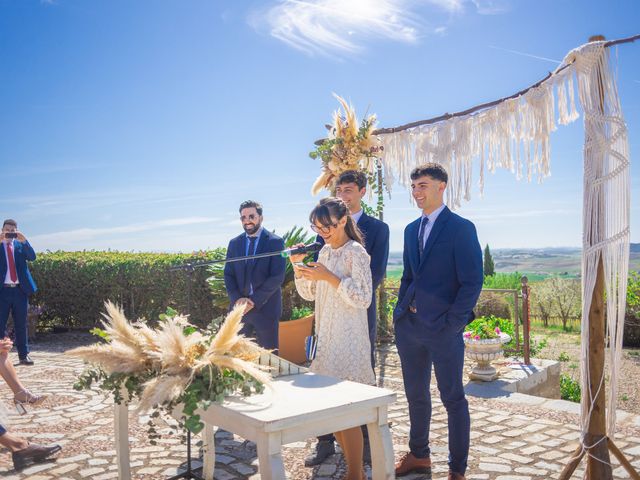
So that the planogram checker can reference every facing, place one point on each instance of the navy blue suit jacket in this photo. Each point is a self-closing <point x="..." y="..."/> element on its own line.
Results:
<point x="447" y="282"/>
<point x="22" y="253"/>
<point x="265" y="275"/>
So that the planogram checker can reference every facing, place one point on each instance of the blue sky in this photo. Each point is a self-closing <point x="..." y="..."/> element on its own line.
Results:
<point x="142" y="125"/>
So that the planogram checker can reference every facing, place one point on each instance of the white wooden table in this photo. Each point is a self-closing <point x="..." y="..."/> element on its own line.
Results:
<point x="297" y="407"/>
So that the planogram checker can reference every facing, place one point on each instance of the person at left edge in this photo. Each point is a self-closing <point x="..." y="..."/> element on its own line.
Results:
<point x="256" y="283"/>
<point x="17" y="285"/>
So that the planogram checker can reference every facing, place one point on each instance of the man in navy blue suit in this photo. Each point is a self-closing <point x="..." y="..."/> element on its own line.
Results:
<point x="440" y="285"/>
<point x="17" y="285"/>
<point x="351" y="187"/>
<point x="256" y="283"/>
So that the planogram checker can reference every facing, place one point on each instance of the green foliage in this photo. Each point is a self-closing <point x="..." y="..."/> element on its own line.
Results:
<point x="563" y="357"/>
<point x="487" y="327"/>
<point x="569" y="388"/>
<point x="73" y="286"/>
<point x="300" y="312"/>
<point x="510" y="281"/>
<point x="290" y="297"/>
<point x="488" y="265"/>
<point x="632" y="317"/>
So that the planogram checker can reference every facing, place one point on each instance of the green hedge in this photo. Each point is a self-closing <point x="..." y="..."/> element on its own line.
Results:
<point x="73" y="286"/>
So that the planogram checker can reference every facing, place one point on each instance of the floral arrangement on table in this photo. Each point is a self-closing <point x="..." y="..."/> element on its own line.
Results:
<point x="484" y="328"/>
<point x="348" y="146"/>
<point x="175" y="363"/>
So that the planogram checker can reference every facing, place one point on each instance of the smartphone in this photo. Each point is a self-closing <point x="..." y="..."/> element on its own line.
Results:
<point x="11" y="235"/>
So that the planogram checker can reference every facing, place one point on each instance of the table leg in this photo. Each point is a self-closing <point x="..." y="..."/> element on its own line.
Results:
<point x="121" y="427"/>
<point x="381" y="447"/>
<point x="208" y="452"/>
<point x="270" y="457"/>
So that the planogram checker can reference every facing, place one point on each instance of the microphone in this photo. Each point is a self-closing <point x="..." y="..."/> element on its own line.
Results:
<point x="312" y="247"/>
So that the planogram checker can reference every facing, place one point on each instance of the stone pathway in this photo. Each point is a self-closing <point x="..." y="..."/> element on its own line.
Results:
<point x="513" y="438"/>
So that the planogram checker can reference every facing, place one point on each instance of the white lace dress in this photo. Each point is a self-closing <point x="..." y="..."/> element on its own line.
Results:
<point x="344" y="349"/>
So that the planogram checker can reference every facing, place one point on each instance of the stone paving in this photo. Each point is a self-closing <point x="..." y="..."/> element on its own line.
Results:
<point x="513" y="438"/>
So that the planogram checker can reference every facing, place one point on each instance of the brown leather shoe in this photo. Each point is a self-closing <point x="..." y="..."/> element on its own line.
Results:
<point x="455" y="476"/>
<point x="412" y="464"/>
<point x="33" y="454"/>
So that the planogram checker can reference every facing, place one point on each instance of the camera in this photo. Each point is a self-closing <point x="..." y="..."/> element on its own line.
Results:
<point x="11" y="235"/>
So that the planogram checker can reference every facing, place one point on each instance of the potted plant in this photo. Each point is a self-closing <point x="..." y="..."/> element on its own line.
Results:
<point x="484" y="340"/>
<point x="292" y="333"/>
<point x="297" y="314"/>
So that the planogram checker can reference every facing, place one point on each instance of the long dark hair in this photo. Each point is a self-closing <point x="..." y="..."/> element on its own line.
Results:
<point x="332" y="209"/>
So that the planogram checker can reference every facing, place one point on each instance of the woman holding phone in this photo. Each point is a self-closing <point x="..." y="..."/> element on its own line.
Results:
<point x="340" y="284"/>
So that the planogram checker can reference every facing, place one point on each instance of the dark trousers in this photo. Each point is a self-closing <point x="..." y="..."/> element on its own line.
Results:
<point x="445" y="351"/>
<point x="16" y="302"/>
<point x="262" y="328"/>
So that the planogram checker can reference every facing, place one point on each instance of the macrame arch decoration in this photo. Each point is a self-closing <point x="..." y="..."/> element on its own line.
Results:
<point x="513" y="133"/>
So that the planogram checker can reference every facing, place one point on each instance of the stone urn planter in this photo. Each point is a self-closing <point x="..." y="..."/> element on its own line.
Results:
<point x="484" y="352"/>
<point x="291" y="336"/>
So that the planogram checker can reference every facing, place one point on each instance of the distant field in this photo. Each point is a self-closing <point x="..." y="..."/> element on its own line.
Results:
<point x="537" y="264"/>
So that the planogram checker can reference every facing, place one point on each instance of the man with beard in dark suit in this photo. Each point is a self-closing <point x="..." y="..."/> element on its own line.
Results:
<point x="256" y="283"/>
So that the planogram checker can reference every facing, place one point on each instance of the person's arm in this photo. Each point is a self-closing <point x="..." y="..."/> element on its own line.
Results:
<point x="380" y="255"/>
<point x="27" y="250"/>
<point x="468" y="265"/>
<point x="356" y="289"/>
<point x="277" y="267"/>
<point x="407" y="272"/>
<point x="230" y="281"/>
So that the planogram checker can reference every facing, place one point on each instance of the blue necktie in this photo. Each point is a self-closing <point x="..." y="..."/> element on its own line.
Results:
<point x="423" y="228"/>
<point x="248" y="266"/>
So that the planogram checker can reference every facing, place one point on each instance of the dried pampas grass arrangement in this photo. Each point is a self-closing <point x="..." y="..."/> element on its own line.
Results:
<point x="348" y="147"/>
<point x="175" y="363"/>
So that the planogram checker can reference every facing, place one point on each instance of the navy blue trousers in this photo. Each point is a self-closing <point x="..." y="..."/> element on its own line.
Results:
<point x="14" y="300"/>
<point x="419" y="351"/>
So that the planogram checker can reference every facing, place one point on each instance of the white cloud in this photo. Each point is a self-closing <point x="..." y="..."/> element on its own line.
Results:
<point x="86" y="234"/>
<point x="492" y="7"/>
<point x="337" y="26"/>
<point x="324" y="26"/>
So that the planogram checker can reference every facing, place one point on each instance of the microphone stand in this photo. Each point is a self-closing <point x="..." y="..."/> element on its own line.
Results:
<point x="189" y="269"/>
<point x="189" y="473"/>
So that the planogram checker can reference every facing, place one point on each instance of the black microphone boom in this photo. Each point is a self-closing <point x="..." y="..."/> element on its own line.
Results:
<point x="312" y="247"/>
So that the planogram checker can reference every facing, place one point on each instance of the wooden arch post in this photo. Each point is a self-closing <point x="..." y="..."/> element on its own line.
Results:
<point x="596" y="444"/>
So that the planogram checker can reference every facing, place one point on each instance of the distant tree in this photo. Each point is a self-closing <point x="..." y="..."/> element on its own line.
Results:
<point x="543" y="301"/>
<point x="489" y="267"/>
<point x="566" y="294"/>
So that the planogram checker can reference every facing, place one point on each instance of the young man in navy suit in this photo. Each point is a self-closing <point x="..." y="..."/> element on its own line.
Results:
<point x="351" y="187"/>
<point x="17" y="286"/>
<point x="256" y="283"/>
<point x="440" y="285"/>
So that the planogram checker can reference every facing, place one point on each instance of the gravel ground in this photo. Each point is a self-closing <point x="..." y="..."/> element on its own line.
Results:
<point x="565" y="347"/>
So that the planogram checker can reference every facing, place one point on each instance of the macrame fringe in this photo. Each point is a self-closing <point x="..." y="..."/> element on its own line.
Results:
<point x="606" y="211"/>
<point x="513" y="135"/>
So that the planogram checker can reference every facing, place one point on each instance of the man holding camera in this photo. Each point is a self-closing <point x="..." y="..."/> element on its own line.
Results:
<point x="17" y="286"/>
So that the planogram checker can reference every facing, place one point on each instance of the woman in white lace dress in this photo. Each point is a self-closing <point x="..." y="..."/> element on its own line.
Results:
<point x="340" y="284"/>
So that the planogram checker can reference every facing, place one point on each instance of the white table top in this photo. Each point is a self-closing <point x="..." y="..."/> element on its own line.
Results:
<point x="296" y="399"/>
